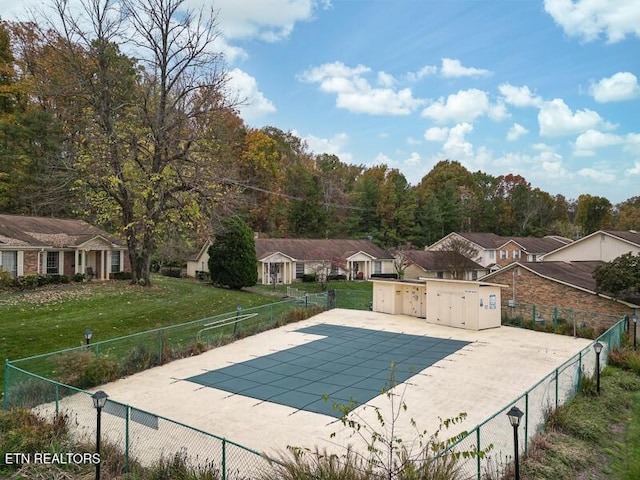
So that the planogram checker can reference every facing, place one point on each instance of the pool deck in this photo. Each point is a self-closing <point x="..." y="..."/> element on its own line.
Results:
<point x="495" y="367"/>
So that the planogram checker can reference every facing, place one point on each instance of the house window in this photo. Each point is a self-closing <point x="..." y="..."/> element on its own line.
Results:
<point x="440" y="274"/>
<point x="492" y="254"/>
<point x="516" y="254"/>
<point x="299" y="270"/>
<point x="115" y="262"/>
<point x="474" y="275"/>
<point x="503" y="254"/>
<point x="377" y="266"/>
<point x="10" y="262"/>
<point x="53" y="262"/>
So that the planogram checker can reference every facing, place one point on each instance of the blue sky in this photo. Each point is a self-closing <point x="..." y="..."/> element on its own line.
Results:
<point x="547" y="89"/>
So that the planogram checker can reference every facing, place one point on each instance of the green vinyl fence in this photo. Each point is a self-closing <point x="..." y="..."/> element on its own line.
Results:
<point x="495" y="434"/>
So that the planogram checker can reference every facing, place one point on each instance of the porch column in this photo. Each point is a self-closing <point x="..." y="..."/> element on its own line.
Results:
<point x="61" y="262"/>
<point x="102" y="264"/>
<point x="76" y="258"/>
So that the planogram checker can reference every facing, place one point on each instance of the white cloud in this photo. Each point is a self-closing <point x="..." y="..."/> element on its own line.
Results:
<point x="597" y="175"/>
<point x="635" y="170"/>
<point x="556" y="119"/>
<point x="516" y="131"/>
<point x="257" y="105"/>
<point x="464" y="106"/>
<point x="414" y="159"/>
<point x="589" y="19"/>
<point x="618" y="87"/>
<point x="498" y="111"/>
<point x="413" y="141"/>
<point x="436" y="134"/>
<point x="519" y="96"/>
<point x="267" y="20"/>
<point x="452" y="68"/>
<point x="592" y="139"/>
<point x="456" y="146"/>
<point x="355" y="94"/>
<point x="423" y="72"/>
<point x="333" y="146"/>
<point x="385" y="79"/>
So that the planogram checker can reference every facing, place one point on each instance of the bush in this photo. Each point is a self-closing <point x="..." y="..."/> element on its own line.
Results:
<point x="175" y="272"/>
<point x="26" y="282"/>
<point x="309" y="277"/>
<point x="6" y="280"/>
<point x="83" y="369"/>
<point x="138" y="359"/>
<point x="78" y="277"/>
<point x="384" y="275"/>
<point x="122" y="275"/>
<point x="336" y="277"/>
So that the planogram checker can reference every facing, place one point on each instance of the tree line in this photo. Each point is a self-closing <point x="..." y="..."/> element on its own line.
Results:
<point x="124" y="116"/>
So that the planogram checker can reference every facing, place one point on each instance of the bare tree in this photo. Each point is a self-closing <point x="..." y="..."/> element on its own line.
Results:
<point x="143" y="148"/>
<point x="459" y="254"/>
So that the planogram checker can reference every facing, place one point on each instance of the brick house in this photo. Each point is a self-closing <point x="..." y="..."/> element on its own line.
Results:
<point x="439" y="264"/>
<point x="569" y="285"/>
<point x="286" y="260"/>
<point x="495" y="251"/>
<point x="54" y="246"/>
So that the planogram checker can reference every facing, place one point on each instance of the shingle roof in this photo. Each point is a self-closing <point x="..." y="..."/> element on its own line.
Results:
<point x="629" y="235"/>
<point x="440" y="260"/>
<point x="579" y="274"/>
<point x="22" y="231"/>
<point x="529" y="244"/>
<point x="318" y="249"/>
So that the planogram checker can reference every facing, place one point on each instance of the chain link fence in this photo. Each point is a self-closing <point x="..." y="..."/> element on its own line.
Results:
<point x="495" y="435"/>
<point x="143" y="438"/>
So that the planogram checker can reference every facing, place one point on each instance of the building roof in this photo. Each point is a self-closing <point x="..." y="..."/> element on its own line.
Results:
<point x="44" y="232"/>
<point x="318" y="249"/>
<point x="577" y="274"/>
<point x="536" y="244"/>
<point x="491" y="241"/>
<point x="440" y="260"/>
<point x="631" y="236"/>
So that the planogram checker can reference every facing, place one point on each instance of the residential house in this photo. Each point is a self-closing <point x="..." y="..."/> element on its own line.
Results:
<point x="549" y="285"/>
<point x="603" y="245"/>
<point x="50" y="246"/>
<point x="439" y="264"/>
<point x="495" y="251"/>
<point x="287" y="260"/>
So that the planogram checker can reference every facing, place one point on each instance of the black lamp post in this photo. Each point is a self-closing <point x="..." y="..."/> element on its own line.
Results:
<point x="99" y="400"/>
<point x="515" y="414"/>
<point x="598" y="348"/>
<point x="635" y="330"/>
<point x="88" y="333"/>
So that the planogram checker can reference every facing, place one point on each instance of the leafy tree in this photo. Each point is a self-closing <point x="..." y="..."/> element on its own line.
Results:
<point x="619" y="277"/>
<point x="141" y="131"/>
<point x="232" y="255"/>
<point x="593" y="213"/>
<point x="627" y="215"/>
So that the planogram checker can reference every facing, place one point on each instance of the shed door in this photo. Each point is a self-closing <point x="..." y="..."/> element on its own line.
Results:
<point x="385" y="299"/>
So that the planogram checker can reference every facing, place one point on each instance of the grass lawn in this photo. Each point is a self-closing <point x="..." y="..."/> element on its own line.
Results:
<point x="56" y="317"/>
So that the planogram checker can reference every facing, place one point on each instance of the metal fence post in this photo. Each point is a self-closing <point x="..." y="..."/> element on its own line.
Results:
<point x="526" y="421"/>
<point x="160" y="346"/>
<point x="126" y="440"/>
<point x="57" y="397"/>
<point x="556" y="388"/>
<point x="533" y="314"/>
<point x="6" y="384"/>
<point x="224" y="459"/>
<point x="478" y="452"/>
<point x="579" y="370"/>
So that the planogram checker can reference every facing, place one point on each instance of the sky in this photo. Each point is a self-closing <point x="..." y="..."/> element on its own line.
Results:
<point x="547" y="89"/>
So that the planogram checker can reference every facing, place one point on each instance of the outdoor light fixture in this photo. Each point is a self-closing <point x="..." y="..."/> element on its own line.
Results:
<point x="88" y="333"/>
<point x="635" y="330"/>
<point x="598" y="348"/>
<point x="99" y="401"/>
<point x="515" y="414"/>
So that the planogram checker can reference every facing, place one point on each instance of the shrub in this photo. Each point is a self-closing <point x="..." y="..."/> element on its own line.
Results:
<point x="78" y="277"/>
<point x="138" y="359"/>
<point x="309" y="277"/>
<point x="26" y="282"/>
<point x="84" y="369"/>
<point x="122" y="275"/>
<point x="6" y="280"/>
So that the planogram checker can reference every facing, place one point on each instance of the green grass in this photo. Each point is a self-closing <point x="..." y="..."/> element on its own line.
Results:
<point x="626" y="463"/>
<point x="587" y="436"/>
<point x="55" y="318"/>
<point x="314" y="287"/>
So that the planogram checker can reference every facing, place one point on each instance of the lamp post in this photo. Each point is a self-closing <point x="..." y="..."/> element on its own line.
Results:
<point x="88" y="333"/>
<point x="598" y="348"/>
<point x="515" y="414"/>
<point x="635" y="330"/>
<point x="99" y="401"/>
